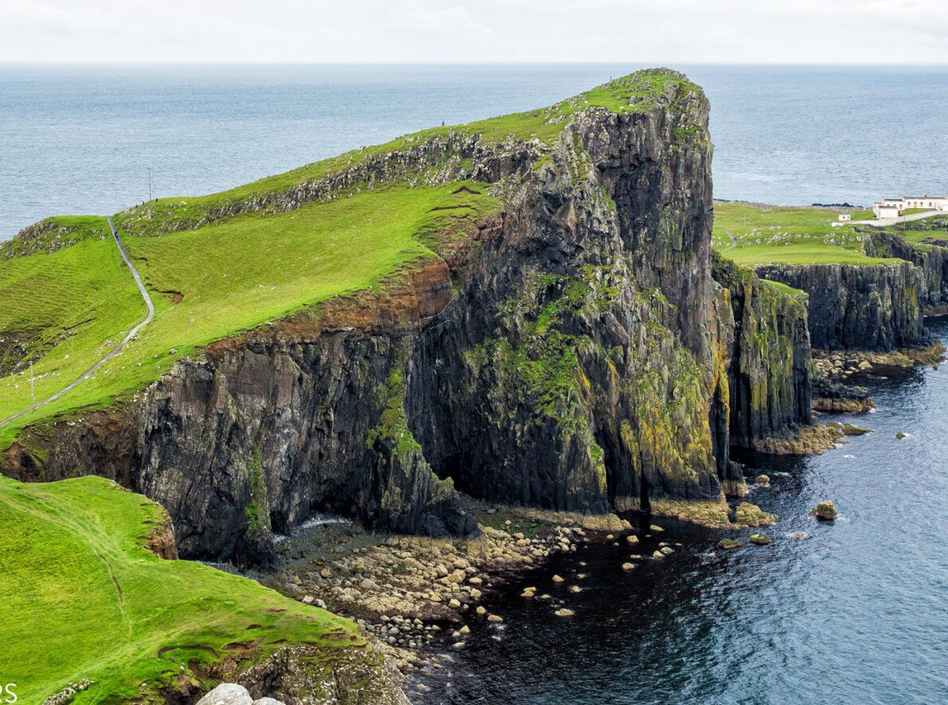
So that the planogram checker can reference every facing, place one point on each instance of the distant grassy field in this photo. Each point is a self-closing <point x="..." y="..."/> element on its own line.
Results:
<point x="917" y="237"/>
<point x="209" y="283"/>
<point x="80" y="598"/>
<point x="756" y="234"/>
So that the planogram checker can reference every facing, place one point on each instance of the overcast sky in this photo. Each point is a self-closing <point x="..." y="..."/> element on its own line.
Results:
<point x="474" y="31"/>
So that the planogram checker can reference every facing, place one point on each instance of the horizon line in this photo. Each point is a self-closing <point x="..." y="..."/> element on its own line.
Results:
<point x="383" y="63"/>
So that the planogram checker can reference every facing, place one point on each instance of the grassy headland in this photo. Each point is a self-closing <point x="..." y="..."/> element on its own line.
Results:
<point x="206" y="284"/>
<point x="82" y="598"/>
<point x="760" y="234"/>
<point x="219" y="264"/>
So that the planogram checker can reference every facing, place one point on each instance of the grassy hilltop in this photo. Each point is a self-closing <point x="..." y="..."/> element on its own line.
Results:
<point x="760" y="234"/>
<point x="212" y="274"/>
<point x="82" y="598"/>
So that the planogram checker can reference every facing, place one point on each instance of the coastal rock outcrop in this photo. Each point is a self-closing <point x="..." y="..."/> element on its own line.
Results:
<point x="930" y="257"/>
<point x="769" y="357"/>
<point x="870" y="307"/>
<point x="572" y="353"/>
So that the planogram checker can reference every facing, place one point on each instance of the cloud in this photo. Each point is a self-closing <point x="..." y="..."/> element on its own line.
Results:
<point x="460" y="31"/>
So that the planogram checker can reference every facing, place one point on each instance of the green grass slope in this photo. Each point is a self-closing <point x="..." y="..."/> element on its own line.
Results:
<point x="55" y="233"/>
<point x="634" y="93"/>
<point x="207" y="284"/>
<point x="81" y="598"/>
<point x="63" y="311"/>
<point x="758" y="234"/>
<point x="209" y="281"/>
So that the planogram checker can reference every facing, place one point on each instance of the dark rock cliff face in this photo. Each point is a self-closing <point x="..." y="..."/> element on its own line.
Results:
<point x="575" y="354"/>
<point x="931" y="259"/>
<point x="876" y="307"/>
<point x="769" y="358"/>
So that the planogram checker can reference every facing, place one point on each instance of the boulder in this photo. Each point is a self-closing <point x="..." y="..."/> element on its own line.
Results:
<point x="825" y="511"/>
<point x="227" y="694"/>
<point x="751" y="515"/>
<point x="760" y="539"/>
<point x="763" y="479"/>
<point x="729" y="544"/>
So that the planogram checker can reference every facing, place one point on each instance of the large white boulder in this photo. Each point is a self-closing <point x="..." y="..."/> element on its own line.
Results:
<point x="227" y="694"/>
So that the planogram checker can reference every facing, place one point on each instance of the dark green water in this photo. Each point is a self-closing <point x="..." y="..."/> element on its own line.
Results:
<point x="856" y="613"/>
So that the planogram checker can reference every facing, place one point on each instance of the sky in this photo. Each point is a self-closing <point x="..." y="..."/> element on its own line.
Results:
<point x="476" y="31"/>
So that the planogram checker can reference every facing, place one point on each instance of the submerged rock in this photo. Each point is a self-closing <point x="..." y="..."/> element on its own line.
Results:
<point x="564" y="612"/>
<point x="751" y="515"/>
<point x="825" y="510"/>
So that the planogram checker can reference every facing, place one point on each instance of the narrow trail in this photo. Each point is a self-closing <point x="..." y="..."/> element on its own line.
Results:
<point x="114" y="351"/>
<point x="886" y="222"/>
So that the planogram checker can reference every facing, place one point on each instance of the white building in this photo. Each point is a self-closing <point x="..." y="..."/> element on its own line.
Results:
<point x="894" y="207"/>
<point x="845" y="217"/>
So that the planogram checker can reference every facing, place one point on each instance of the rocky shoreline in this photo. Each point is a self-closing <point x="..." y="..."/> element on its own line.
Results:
<point x="418" y="597"/>
<point x="415" y="594"/>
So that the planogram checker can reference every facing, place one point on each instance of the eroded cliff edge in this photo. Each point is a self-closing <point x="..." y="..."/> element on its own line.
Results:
<point x="572" y="352"/>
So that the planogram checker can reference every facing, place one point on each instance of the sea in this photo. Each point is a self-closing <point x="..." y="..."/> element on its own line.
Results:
<point x="854" y="612"/>
<point x="98" y="139"/>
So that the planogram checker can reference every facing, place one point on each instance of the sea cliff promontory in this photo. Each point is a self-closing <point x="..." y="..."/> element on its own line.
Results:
<point x="551" y="333"/>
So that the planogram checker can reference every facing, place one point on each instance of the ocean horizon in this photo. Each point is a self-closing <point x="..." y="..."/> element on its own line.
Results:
<point x="84" y="138"/>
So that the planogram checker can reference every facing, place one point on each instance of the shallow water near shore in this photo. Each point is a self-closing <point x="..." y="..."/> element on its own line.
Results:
<point x="857" y="612"/>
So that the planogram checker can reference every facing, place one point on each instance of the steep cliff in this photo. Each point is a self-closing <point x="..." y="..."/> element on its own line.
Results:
<point x="769" y="358"/>
<point x="870" y="307"/>
<point x="930" y="258"/>
<point x="570" y="352"/>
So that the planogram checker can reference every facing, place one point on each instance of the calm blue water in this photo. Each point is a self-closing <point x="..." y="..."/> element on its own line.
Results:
<point x="81" y="140"/>
<point x="856" y="613"/>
